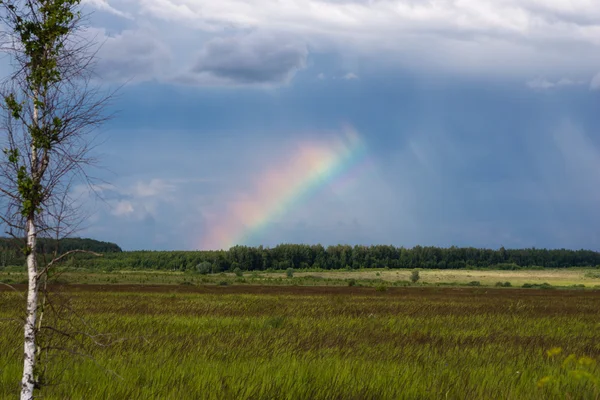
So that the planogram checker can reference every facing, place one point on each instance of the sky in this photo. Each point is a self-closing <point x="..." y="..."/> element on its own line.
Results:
<point x="402" y="122"/>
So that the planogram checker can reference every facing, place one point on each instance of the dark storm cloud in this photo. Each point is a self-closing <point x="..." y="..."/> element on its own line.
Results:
<point x="252" y="59"/>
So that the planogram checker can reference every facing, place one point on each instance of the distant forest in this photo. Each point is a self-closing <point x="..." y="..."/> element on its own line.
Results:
<point x="11" y="249"/>
<point x="299" y="256"/>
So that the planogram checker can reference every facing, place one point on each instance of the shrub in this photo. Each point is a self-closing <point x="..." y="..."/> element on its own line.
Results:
<point x="352" y="282"/>
<point x="499" y="284"/>
<point x="414" y="276"/>
<point x="380" y="288"/>
<point x="223" y="283"/>
<point x="289" y="272"/>
<point x="544" y="285"/>
<point x="313" y="277"/>
<point x="204" y="268"/>
<point x="506" y="266"/>
<point x="474" y="283"/>
<point x="507" y="284"/>
<point x="238" y="272"/>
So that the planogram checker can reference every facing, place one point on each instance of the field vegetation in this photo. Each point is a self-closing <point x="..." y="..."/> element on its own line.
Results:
<point x="559" y="278"/>
<point x="224" y="325"/>
<point x="288" y="342"/>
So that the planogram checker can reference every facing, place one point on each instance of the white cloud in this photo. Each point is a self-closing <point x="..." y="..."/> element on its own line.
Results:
<point x="568" y="82"/>
<point x="350" y="76"/>
<point x="122" y="208"/>
<point x="153" y="188"/>
<point x="595" y="83"/>
<point x="492" y="37"/>
<point x="145" y="198"/>
<point x="540" y="83"/>
<point x="522" y="32"/>
<point x="321" y="76"/>
<point x="104" y="6"/>
<point x="139" y="213"/>
<point x="134" y="200"/>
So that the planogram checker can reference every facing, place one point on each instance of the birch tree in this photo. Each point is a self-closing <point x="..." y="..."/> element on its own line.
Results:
<point x="50" y="107"/>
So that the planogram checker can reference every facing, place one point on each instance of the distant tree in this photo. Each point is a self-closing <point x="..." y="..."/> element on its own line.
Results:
<point x="287" y="256"/>
<point x="216" y="268"/>
<point x="204" y="268"/>
<point x="414" y="276"/>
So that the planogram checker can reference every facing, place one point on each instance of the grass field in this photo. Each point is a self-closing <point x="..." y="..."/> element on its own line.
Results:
<point x="555" y="277"/>
<point x="589" y="277"/>
<point x="293" y="342"/>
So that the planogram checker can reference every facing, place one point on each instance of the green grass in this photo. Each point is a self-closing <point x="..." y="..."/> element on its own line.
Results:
<point x="589" y="277"/>
<point x="244" y="342"/>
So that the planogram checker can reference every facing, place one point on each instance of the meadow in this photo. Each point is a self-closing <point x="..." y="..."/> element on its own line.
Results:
<point x="293" y="342"/>
<point x="563" y="277"/>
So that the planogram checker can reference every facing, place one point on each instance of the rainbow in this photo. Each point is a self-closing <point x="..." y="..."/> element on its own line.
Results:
<point x="279" y="189"/>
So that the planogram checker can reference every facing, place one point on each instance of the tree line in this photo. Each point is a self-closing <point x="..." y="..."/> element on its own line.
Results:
<point x="300" y="256"/>
<point x="11" y="249"/>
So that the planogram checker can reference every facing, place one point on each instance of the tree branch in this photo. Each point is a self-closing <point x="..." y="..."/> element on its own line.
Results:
<point x="62" y="256"/>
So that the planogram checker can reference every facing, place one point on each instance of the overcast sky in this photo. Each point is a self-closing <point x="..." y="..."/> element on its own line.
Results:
<point x="477" y="122"/>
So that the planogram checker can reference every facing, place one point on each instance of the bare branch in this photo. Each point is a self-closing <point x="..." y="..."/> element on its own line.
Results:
<point x="62" y="256"/>
<point x="13" y="288"/>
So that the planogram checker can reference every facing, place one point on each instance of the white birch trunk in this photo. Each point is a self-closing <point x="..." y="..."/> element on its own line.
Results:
<point x="28" y="381"/>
